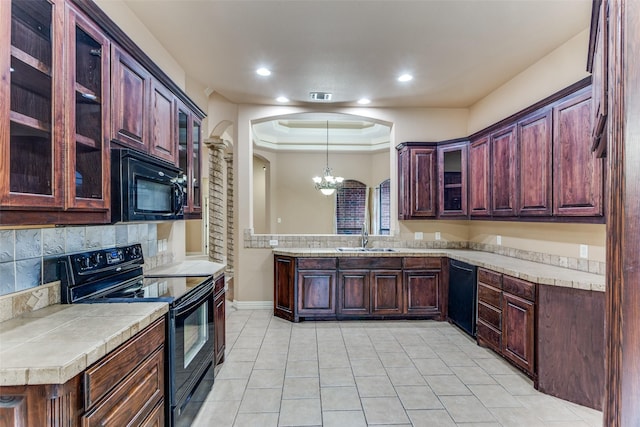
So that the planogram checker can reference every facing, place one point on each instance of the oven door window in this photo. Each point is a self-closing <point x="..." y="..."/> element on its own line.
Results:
<point x="196" y="334"/>
<point x="153" y="196"/>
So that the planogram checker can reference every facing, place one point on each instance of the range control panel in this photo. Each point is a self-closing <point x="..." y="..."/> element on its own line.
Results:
<point x="101" y="259"/>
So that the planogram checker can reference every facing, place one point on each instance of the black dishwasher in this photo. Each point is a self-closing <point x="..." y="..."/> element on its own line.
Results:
<point x="462" y="295"/>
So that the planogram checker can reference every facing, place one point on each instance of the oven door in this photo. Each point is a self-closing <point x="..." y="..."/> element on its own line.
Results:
<point x="192" y="343"/>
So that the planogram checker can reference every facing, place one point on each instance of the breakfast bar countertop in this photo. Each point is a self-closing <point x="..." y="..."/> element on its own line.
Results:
<point x="535" y="272"/>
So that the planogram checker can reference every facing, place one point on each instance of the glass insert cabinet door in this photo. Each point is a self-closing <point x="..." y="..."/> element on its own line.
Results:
<point x="88" y="90"/>
<point x="31" y="155"/>
<point x="189" y="144"/>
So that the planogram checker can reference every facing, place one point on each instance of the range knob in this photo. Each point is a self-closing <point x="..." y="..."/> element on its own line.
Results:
<point x="83" y="261"/>
<point x="136" y="252"/>
<point x="94" y="259"/>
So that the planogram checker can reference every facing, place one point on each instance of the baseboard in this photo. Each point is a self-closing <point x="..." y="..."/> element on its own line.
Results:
<point x="252" y="305"/>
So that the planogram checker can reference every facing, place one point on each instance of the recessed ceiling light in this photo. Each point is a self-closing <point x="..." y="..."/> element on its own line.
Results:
<point x="405" y="78"/>
<point x="263" y="72"/>
<point x="282" y="99"/>
<point x="364" y="101"/>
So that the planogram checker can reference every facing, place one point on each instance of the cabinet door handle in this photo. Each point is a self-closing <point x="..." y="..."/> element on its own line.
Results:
<point x="89" y="96"/>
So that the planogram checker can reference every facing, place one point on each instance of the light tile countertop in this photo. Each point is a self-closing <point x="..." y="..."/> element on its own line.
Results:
<point x="535" y="272"/>
<point x="54" y="344"/>
<point x="191" y="265"/>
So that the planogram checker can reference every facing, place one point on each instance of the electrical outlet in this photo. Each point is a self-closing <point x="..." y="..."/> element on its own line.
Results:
<point x="584" y="251"/>
<point x="279" y="220"/>
<point x="273" y="243"/>
<point x="438" y="236"/>
<point x="418" y="235"/>
<point x="499" y="240"/>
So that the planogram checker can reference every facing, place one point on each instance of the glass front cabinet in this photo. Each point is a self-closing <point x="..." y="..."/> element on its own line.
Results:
<point x="189" y="134"/>
<point x="53" y="152"/>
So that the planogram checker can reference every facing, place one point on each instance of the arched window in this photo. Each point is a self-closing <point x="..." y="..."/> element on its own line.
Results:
<point x="351" y="207"/>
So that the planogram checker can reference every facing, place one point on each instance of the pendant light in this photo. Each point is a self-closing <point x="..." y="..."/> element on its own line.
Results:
<point x="327" y="184"/>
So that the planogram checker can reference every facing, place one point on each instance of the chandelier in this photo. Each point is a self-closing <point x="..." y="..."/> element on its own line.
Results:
<point x="327" y="184"/>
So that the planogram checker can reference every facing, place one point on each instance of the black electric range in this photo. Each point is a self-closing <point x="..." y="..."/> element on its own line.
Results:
<point x="116" y="275"/>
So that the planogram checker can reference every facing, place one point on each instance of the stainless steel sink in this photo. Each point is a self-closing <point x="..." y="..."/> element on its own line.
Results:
<point x="366" y="249"/>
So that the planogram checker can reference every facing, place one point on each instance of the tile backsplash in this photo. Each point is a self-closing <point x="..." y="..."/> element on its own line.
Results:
<point x="28" y="257"/>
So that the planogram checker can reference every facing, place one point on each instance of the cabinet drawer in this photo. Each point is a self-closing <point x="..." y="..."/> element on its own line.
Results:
<point x="108" y="372"/>
<point x="490" y="278"/>
<point x="371" y="263"/>
<point x="133" y="399"/>
<point x="489" y="336"/>
<point x="519" y="287"/>
<point x="423" y="263"/>
<point x="489" y="295"/>
<point x="490" y="315"/>
<point x="316" y="263"/>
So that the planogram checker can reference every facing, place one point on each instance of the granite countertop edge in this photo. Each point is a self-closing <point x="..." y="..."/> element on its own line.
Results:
<point x="543" y="274"/>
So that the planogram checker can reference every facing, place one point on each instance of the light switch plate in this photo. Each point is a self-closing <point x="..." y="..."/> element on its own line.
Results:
<point x="499" y="240"/>
<point x="273" y="243"/>
<point x="438" y="236"/>
<point x="418" y="235"/>
<point x="584" y="251"/>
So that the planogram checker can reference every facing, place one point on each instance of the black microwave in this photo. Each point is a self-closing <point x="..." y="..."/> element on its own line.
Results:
<point x="144" y="188"/>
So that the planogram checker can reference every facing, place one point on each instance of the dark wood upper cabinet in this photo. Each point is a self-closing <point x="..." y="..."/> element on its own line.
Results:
<point x="31" y="72"/>
<point x="535" y="165"/>
<point x="130" y="98"/>
<point x="162" y="142"/>
<point x="417" y="182"/>
<point x="88" y="114"/>
<point x="479" y="168"/>
<point x="578" y="172"/>
<point x="452" y="180"/>
<point x="504" y="153"/>
<point x="598" y="65"/>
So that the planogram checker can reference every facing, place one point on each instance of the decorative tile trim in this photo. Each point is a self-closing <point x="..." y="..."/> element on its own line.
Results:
<point x="288" y="241"/>
<point x="18" y="303"/>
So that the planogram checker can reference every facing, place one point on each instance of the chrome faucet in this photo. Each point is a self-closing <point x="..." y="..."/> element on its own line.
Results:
<point x="364" y="235"/>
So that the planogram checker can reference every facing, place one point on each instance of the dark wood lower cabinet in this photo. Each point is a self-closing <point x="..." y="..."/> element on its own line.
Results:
<point x="518" y="328"/>
<point x="571" y="344"/>
<point x="219" y="319"/>
<point x="359" y="288"/>
<point x="317" y="292"/>
<point x="353" y="294"/>
<point x="126" y="387"/>
<point x="386" y="292"/>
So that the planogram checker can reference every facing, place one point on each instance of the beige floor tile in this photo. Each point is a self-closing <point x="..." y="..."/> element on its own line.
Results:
<point x="516" y="384"/>
<point x="405" y="376"/>
<point x="456" y="358"/>
<point x="244" y="354"/>
<point x="301" y="368"/>
<point x="496" y="366"/>
<point x="466" y="409"/>
<point x="334" y="361"/>
<point x="367" y="367"/>
<point x="261" y="400"/>
<point x="548" y="408"/>
<point x="266" y="378"/>
<point x="270" y="361"/>
<point x="432" y="367"/>
<point x="447" y="385"/>
<point x="384" y="410"/>
<point x="375" y="387"/>
<point x="343" y="419"/>
<point x="395" y="359"/>
<point x="420" y="351"/>
<point x="265" y="419"/>
<point x="431" y="418"/>
<point x="336" y="377"/>
<point x="494" y="396"/>
<point x="235" y="370"/>
<point x="221" y="413"/>
<point x="225" y="390"/>
<point x="517" y="417"/>
<point x="418" y="397"/>
<point x="246" y="341"/>
<point x="340" y="399"/>
<point x="472" y="375"/>
<point x="301" y="388"/>
<point x="300" y="412"/>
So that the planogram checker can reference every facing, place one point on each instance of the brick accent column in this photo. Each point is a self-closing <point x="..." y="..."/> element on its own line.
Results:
<point x="230" y="212"/>
<point x="217" y="212"/>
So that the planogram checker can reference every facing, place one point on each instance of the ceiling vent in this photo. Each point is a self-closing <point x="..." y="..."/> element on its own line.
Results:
<point x="320" y="96"/>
